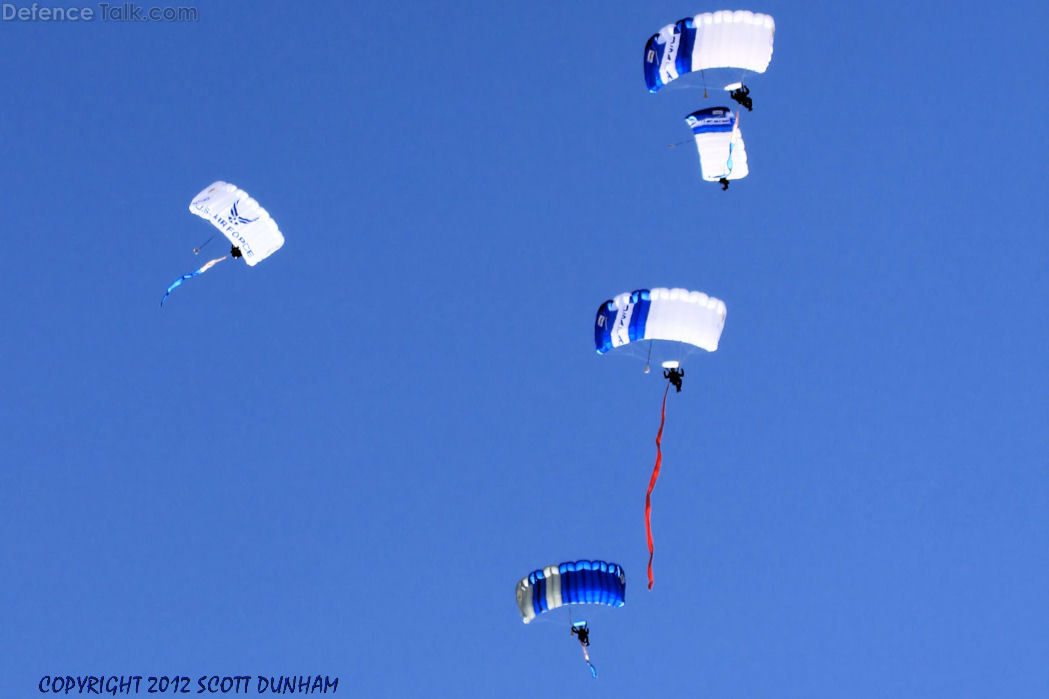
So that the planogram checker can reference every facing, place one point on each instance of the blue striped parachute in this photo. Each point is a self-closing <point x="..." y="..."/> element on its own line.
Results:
<point x="252" y="233"/>
<point x="680" y="320"/>
<point x="241" y="219"/>
<point x="578" y="582"/>
<point x="679" y="317"/>
<point x="720" y="48"/>
<point x="722" y="156"/>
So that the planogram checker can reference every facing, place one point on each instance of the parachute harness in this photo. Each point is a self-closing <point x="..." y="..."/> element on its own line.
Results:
<point x="580" y="630"/>
<point x="652" y="484"/>
<point x="178" y="282"/>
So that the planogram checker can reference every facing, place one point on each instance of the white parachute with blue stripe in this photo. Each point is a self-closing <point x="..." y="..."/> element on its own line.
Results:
<point x="241" y="219"/>
<point x="573" y="582"/>
<point x="722" y="47"/>
<point x="246" y="225"/>
<point x="720" y="143"/>
<point x="685" y="318"/>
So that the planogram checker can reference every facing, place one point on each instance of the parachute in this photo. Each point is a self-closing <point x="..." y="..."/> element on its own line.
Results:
<point x="245" y="224"/>
<point x="254" y="236"/>
<point x="578" y="582"/>
<point x="681" y="318"/>
<point x="722" y="156"/>
<point x="721" y="46"/>
<point x="675" y="315"/>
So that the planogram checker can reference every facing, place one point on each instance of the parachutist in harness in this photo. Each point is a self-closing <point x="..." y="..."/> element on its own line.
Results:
<point x="741" y="95"/>
<point x="724" y="183"/>
<point x="234" y="251"/>
<point x="674" y="376"/>
<point x="582" y="632"/>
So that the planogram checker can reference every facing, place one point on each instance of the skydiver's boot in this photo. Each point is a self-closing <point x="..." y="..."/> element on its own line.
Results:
<point x="235" y="252"/>
<point x="724" y="184"/>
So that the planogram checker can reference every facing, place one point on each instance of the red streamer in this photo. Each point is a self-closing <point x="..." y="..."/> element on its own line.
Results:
<point x="652" y="484"/>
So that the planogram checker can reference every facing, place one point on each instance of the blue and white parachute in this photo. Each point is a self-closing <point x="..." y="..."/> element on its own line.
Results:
<point x="678" y="318"/>
<point x="721" y="46"/>
<point x="578" y="582"/>
<point x="720" y="143"/>
<point x="240" y="218"/>
<point x="675" y="315"/>
<point x="246" y="225"/>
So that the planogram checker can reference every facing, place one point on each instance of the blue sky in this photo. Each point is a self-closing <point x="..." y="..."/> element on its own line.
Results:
<point x="340" y="461"/>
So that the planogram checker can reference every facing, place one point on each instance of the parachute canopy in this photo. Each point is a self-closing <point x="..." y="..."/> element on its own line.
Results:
<point x="579" y="582"/>
<point x="720" y="143"/>
<point x="739" y="40"/>
<point x="677" y="315"/>
<point x="240" y="218"/>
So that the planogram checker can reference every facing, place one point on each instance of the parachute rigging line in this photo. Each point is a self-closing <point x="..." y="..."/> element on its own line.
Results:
<point x="178" y="282"/>
<point x="652" y="484"/>
<point x="201" y="246"/>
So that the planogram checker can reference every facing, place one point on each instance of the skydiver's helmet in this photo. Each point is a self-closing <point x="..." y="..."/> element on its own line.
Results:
<point x="235" y="251"/>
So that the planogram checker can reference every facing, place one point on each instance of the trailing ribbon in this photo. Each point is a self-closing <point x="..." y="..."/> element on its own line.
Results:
<point x="586" y="657"/>
<point x="178" y="282"/>
<point x="652" y="484"/>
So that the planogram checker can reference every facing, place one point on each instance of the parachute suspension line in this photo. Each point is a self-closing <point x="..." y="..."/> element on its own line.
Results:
<point x="652" y="484"/>
<point x="679" y="143"/>
<point x="178" y="282"/>
<point x="649" y="357"/>
<point x="201" y="246"/>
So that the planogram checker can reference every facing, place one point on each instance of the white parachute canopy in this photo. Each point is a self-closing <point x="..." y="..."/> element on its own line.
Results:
<point x="675" y="315"/>
<point x="722" y="46"/>
<point x="728" y="39"/>
<point x="240" y="218"/>
<point x="720" y="143"/>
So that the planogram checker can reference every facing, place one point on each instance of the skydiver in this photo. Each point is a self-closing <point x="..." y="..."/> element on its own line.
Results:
<point x="724" y="183"/>
<point x="674" y="376"/>
<point x="582" y="631"/>
<point x="235" y="252"/>
<point x="741" y="95"/>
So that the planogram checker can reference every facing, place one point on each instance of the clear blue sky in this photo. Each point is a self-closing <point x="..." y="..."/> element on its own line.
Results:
<point x="340" y="461"/>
